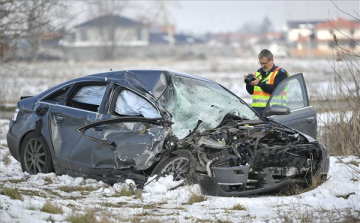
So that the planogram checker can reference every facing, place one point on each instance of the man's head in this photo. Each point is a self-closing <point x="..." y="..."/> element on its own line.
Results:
<point x="266" y="60"/>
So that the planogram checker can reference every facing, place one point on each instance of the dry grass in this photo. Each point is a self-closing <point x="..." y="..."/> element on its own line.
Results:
<point x="52" y="209"/>
<point x="6" y="159"/>
<point x="238" y="207"/>
<point x="13" y="193"/>
<point x="124" y="193"/>
<point x="340" y="129"/>
<point x="298" y="189"/>
<point x="354" y="162"/>
<point x="48" y="180"/>
<point x="196" y="198"/>
<point x="299" y="214"/>
<point x="90" y="216"/>
<point x="342" y="134"/>
<point x="69" y="189"/>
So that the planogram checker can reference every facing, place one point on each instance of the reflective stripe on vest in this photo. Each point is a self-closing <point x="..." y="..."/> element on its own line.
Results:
<point x="260" y="98"/>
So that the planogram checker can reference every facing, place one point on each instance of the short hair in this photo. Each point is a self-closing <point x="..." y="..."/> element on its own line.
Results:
<point x="265" y="53"/>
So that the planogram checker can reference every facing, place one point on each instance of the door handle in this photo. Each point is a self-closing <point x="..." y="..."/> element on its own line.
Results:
<point x="310" y="120"/>
<point x="59" y="119"/>
<point x="99" y="127"/>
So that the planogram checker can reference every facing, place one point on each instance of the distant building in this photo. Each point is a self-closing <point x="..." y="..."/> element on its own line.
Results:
<point x="315" y="39"/>
<point x="273" y="41"/>
<point x="347" y="32"/>
<point x="300" y="29"/>
<point x="109" y="30"/>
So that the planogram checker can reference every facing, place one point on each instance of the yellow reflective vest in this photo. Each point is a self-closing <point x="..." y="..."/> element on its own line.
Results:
<point x="260" y="98"/>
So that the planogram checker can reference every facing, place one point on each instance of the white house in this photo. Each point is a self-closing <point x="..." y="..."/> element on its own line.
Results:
<point x="109" y="30"/>
<point x="315" y="39"/>
<point x="300" y="29"/>
<point x="347" y="32"/>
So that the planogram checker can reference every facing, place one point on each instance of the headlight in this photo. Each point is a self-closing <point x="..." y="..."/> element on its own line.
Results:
<point x="15" y="114"/>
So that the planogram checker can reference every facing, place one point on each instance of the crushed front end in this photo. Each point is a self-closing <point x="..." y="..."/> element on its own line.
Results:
<point x="242" y="158"/>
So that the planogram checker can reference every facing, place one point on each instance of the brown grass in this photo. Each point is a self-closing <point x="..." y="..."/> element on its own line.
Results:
<point x="52" y="209"/>
<point x="341" y="131"/>
<point x="91" y="216"/>
<point x="13" y="193"/>
<point x="195" y="198"/>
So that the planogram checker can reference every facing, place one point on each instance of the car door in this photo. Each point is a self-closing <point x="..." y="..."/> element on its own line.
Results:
<point x="131" y="135"/>
<point x="292" y="93"/>
<point x="79" y="108"/>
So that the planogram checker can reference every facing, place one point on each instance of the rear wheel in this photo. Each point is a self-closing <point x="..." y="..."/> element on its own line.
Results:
<point x="177" y="165"/>
<point x="35" y="156"/>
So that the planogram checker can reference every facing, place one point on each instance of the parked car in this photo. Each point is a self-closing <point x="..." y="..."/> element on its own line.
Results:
<point x="134" y="124"/>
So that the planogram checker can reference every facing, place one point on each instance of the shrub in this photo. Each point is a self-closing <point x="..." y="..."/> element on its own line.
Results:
<point x="340" y="129"/>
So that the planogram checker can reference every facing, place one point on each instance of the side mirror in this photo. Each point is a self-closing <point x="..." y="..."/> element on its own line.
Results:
<point x="277" y="110"/>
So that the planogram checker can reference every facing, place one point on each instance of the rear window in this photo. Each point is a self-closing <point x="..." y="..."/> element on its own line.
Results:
<point x="88" y="97"/>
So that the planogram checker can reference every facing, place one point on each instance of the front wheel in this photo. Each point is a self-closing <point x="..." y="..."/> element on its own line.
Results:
<point x="177" y="165"/>
<point x="35" y="156"/>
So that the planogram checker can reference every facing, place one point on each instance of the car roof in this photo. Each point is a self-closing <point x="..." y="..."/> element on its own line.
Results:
<point x="145" y="75"/>
<point x="144" y="81"/>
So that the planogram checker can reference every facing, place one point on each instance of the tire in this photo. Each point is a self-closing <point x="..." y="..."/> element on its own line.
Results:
<point x="35" y="156"/>
<point x="177" y="164"/>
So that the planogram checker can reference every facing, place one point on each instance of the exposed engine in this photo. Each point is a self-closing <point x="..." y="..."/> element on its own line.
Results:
<point x="242" y="156"/>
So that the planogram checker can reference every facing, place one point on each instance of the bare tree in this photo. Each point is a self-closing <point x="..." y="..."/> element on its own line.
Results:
<point x="12" y="21"/>
<point x="41" y="15"/>
<point x="159" y="14"/>
<point x="109" y="36"/>
<point x="27" y="20"/>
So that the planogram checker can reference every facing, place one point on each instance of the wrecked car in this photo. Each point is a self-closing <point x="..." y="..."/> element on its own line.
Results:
<point x="134" y="124"/>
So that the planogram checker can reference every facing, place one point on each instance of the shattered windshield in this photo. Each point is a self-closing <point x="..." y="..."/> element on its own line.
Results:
<point x="190" y="100"/>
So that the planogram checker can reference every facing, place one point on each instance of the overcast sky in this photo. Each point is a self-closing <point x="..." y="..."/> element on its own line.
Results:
<point x="223" y="16"/>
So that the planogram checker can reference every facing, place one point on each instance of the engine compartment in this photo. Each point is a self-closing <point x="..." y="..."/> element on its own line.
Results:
<point x="241" y="156"/>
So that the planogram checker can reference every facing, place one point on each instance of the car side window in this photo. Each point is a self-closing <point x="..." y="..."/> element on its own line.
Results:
<point x="87" y="97"/>
<point x="290" y="93"/>
<point x="56" y="96"/>
<point x="129" y="103"/>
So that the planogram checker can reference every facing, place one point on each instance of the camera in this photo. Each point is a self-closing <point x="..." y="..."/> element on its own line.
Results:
<point x="249" y="78"/>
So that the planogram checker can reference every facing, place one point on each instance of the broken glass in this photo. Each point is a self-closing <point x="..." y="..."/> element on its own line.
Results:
<point x="190" y="100"/>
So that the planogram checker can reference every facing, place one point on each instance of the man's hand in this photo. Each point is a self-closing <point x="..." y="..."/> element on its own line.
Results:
<point x="255" y="82"/>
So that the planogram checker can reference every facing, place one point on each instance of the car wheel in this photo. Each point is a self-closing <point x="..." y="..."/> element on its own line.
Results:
<point x="177" y="165"/>
<point x="35" y="156"/>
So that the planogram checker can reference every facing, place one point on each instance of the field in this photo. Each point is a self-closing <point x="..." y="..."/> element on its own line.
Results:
<point x="23" y="79"/>
<point x="52" y="198"/>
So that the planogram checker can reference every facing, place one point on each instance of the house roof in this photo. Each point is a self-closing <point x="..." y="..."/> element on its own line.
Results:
<point x="338" y="23"/>
<point x="162" y="38"/>
<point x="296" y="24"/>
<point x="110" y="20"/>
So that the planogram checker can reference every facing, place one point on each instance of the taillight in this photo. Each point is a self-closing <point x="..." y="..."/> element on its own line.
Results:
<point x="15" y="114"/>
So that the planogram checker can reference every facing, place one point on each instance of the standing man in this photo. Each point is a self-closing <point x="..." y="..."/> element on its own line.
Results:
<point x="264" y="81"/>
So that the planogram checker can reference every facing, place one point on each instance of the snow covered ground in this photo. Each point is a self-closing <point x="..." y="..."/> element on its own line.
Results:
<point x="52" y="198"/>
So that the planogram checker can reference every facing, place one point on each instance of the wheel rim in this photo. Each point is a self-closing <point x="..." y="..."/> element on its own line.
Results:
<point x="177" y="167"/>
<point x="34" y="156"/>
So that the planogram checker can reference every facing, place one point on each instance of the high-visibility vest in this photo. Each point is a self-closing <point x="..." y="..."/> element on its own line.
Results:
<point x="260" y="98"/>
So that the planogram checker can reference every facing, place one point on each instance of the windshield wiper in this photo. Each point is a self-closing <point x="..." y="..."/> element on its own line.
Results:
<point x="195" y="129"/>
